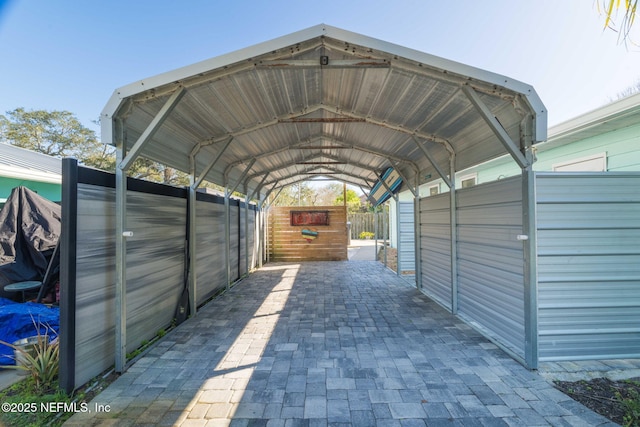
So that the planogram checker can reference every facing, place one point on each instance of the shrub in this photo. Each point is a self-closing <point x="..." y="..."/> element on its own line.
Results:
<point x="366" y="235"/>
<point x="41" y="359"/>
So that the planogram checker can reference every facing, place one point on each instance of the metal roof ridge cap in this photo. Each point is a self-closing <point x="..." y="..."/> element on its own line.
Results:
<point x="308" y="34"/>
<point x="209" y="64"/>
<point x="435" y="61"/>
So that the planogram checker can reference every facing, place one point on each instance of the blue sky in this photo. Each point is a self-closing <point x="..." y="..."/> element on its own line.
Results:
<point x="71" y="55"/>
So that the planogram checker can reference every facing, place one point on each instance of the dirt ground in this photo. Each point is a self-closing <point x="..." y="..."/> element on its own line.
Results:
<point x="612" y="399"/>
<point x="392" y="258"/>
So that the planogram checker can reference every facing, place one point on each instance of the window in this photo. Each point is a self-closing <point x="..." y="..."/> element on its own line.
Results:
<point x="433" y="190"/>
<point x="595" y="163"/>
<point x="468" y="180"/>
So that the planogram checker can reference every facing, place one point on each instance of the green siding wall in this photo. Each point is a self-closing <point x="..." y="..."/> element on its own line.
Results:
<point x="44" y="189"/>
<point x="622" y="147"/>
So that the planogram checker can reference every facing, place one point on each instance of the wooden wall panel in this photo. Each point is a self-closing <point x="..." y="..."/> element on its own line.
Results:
<point x="286" y="242"/>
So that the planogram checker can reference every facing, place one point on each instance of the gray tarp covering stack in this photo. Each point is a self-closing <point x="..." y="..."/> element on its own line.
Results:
<point x="29" y="230"/>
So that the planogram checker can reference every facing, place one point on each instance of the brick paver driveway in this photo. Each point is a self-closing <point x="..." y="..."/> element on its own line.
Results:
<point x="329" y="343"/>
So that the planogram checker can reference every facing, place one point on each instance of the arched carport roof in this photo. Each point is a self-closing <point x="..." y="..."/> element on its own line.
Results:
<point x="322" y="101"/>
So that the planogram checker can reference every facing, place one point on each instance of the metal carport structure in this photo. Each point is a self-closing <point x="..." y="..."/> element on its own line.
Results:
<point x="323" y="101"/>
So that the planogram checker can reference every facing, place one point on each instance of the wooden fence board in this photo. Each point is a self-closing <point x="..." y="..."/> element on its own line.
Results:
<point x="286" y="242"/>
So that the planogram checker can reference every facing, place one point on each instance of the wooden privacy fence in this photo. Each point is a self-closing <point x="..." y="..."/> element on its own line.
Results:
<point x="366" y="222"/>
<point x="322" y="242"/>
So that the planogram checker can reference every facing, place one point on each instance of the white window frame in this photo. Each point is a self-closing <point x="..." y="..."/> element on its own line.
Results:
<point x="473" y="176"/>
<point x="557" y="167"/>
<point x="431" y="187"/>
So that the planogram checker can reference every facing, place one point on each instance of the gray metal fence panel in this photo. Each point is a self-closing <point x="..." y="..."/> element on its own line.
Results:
<point x="406" y="246"/>
<point x="156" y="215"/>
<point x="435" y="248"/>
<point x="95" y="278"/>
<point x="211" y="267"/>
<point x="491" y="260"/>
<point x="235" y="216"/>
<point x="154" y="272"/>
<point x="588" y="265"/>
<point x="155" y="263"/>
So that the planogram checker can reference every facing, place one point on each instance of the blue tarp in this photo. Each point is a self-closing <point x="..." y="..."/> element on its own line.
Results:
<point x="17" y="322"/>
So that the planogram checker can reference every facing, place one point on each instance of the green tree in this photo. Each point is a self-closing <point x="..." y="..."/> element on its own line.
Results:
<point x="353" y="201"/>
<point x="60" y="134"/>
<point x="300" y="194"/>
<point x="55" y="133"/>
<point x="327" y="194"/>
<point x="143" y="168"/>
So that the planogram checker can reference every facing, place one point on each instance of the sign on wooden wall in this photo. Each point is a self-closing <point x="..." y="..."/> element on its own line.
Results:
<point x="309" y="217"/>
<point x="313" y="233"/>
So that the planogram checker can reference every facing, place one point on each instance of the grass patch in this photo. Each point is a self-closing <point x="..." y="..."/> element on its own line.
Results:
<point x="22" y="405"/>
<point x="34" y="407"/>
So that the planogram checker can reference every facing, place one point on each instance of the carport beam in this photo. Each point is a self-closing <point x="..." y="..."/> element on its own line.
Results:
<point x="198" y="180"/>
<point x="495" y="126"/>
<point x="153" y="127"/>
<point x="429" y="157"/>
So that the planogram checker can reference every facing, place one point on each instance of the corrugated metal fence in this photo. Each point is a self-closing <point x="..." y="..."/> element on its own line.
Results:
<point x="407" y="246"/>
<point x="587" y="259"/>
<point x="491" y="261"/>
<point x="435" y="248"/>
<point x="588" y="236"/>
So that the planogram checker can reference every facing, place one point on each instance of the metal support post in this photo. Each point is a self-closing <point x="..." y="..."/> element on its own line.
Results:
<point x="398" y="243"/>
<point x="454" y="234"/>
<point x="417" y="234"/>
<point x="375" y="226"/>
<point x="246" y="232"/>
<point x="121" y="256"/>
<point x="530" y="273"/>
<point x="193" y="288"/>
<point x="385" y="214"/>
<point x="264" y="244"/>
<point x="227" y="236"/>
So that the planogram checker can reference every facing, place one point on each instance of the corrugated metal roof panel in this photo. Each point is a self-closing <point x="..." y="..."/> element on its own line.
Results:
<point x="372" y="96"/>
<point x="16" y="162"/>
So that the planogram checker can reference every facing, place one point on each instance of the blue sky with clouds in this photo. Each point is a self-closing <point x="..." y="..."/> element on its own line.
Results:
<point x="71" y="55"/>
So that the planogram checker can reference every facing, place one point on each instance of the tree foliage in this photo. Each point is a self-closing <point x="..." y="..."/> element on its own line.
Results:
<point x="60" y="134"/>
<point x="353" y="201"/>
<point x="300" y="194"/>
<point x="620" y="16"/>
<point x="55" y="133"/>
